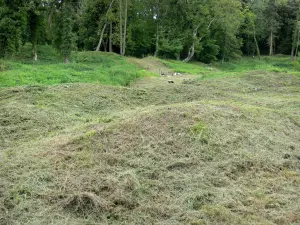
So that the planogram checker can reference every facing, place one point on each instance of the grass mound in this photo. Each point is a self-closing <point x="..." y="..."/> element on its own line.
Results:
<point x="215" y="151"/>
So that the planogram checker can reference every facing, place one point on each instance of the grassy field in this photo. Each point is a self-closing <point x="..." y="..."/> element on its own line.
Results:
<point x="198" y="152"/>
<point x="111" y="69"/>
<point x="86" y="67"/>
<point x="276" y="64"/>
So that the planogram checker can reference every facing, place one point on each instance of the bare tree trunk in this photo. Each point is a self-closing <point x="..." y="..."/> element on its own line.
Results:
<point x="295" y="40"/>
<point x="121" y="33"/>
<point x="104" y="26"/>
<point x="192" y="48"/>
<point x="157" y="31"/>
<point x="296" y="52"/>
<point x="293" y="48"/>
<point x="224" y="53"/>
<point x="105" y="44"/>
<point x="101" y="37"/>
<point x="125" y="29"/>
<point x="292" y="53"/>
<point x="35" y="55"/>
<point x="157" y="40"/>
<point x="256" y="43"/>
<point x="110" y="38"/>
<point x="271" y="43"/>
<point x="67" y="60"/>
<point x="191" y="53"/>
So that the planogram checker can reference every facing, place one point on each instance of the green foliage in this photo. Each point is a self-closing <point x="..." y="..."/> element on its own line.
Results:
<point x="3" y="66"/>
<point x="67" y="35"/>
<point x="170" y="49"/>
<point x="209" y="52"/>
<point x="205" y="30"/>
<point x="12" y="21"/>
<point x="35" y="19"/>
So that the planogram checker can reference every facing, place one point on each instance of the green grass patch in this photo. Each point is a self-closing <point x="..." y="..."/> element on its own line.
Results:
<point x="195" y="68"/>
<point x="85" y="67"/>
<point x="276" y="64"/>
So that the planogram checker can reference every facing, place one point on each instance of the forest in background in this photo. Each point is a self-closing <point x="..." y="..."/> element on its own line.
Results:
<point x="199" y="30"/>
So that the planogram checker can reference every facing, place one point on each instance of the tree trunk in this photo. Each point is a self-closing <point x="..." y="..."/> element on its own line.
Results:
<point x="125" y="29"/>
<point x="292" y="53"/>
<point x="256" y="43"/>
<point x="35" y="55"/>
<point x="101" y="37"/>
<point x="110" y="38"/>
<point x="271" y="43"/>
<point x="104" y="26"/>
<point x="157" y="31"/>
<point x="67" y="60"/>
<point x="224" y="49"/>
<point x="191" y="53"/>
<point x="192" y="48"/>
<point x="295" y="47"/>
<point x="296" y="52"/>
<point x="121" y="33"/>
<point x="157" y="40"/>
<point x="294" y="39"/>
<point x="105" y="43"/>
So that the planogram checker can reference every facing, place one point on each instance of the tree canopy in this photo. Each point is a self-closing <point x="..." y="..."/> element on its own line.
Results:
<point x="203" y="30"/>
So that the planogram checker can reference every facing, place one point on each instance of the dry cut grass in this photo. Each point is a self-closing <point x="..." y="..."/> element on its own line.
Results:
<point x="222" y="151"/>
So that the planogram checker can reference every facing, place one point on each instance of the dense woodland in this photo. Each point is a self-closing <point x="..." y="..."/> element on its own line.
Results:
<point x="203" y="30"/>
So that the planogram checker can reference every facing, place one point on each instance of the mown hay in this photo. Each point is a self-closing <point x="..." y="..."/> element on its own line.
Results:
<point x="216" y="152"/>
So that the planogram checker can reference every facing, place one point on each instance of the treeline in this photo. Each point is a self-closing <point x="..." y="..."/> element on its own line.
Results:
<point x="203" y="30"/>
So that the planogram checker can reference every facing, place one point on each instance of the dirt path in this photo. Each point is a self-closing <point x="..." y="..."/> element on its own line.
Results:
<point x="150" y="82"/>
<point x="151" y="64"/>
<point x="155" y="66"/>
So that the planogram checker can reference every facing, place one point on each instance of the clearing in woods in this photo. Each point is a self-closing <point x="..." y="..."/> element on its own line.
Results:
<point x="200" y="151"/>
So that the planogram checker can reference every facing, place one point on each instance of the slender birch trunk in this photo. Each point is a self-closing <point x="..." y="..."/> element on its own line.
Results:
<point x="34" y="48"/>
<point x="101" y="37"/>
<point x="125" y="29"/>
<point x="121" y="32"/>
<point x="271" y="43"/>
<point x="157" y="40"/>
<point x="256" y="43"/>
<point x="110" y="38"/>
<point x="297" y="48"/>
<point x="157" y="31"/>
<point x="295" y="40"/>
